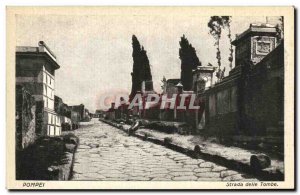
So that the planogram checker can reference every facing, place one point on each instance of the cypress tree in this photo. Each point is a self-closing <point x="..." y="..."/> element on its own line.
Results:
<point x="189" y="61"/>
<point x="146" y="71"/>
<point x="141" y="67"/>
<point x="136" y="69"/>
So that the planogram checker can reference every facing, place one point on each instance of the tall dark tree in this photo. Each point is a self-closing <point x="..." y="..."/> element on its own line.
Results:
<point x="146" y="70"/>
<point x="189" y="61"/>
<point x="141" y="67"/>
<point x="135" y="75"/>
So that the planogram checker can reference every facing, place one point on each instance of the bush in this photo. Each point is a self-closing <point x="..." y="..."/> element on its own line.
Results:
<point x="34" y="161"/>
<point x="66" y="127"/>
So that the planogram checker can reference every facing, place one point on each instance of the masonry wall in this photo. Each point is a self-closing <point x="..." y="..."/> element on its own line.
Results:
<point x="263" y="95"/>
<point x="251" y="103"/>
<point x="221" y="110"/>
<point x="25" y="118"/>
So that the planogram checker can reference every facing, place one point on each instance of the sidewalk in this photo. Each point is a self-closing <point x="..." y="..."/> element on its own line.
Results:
<point x="198" y="147"/>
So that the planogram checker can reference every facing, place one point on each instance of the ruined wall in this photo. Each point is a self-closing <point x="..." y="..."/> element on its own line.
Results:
<point x="222" y="112"/>
<point x="250" y="104"/>
<point x="41" y="125"/>
<point x="25" y="118"/>
<point x="152" y="113"/>
<point x="263" y="94"/>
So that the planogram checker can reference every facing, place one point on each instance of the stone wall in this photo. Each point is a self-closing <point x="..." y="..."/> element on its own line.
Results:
<point x="25" y="118"/>
<point x="251" y="102"/>
<point x="222" y="112"/>
<point x="263" y="94"/>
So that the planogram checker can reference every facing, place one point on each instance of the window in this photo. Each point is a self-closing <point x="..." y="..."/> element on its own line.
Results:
<point x="52" y="133"/>
<point x="49" y="92"/>
<point x="50" y="104"/>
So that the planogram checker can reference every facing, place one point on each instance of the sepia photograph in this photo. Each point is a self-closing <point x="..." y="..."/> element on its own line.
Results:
<point x="150" y="97"/>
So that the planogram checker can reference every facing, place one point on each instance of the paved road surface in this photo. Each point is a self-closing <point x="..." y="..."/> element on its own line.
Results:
<point x="107" y="153"/>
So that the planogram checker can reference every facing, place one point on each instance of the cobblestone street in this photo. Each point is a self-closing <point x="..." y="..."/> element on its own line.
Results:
<point x="107" y="153"/>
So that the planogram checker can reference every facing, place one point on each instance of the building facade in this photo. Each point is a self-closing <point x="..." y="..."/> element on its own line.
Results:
<point x="83" y="113"/>
<point x="35" y="70"/>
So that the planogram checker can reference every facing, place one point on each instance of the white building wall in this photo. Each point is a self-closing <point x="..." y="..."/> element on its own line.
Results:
<point x="54" y="122"/>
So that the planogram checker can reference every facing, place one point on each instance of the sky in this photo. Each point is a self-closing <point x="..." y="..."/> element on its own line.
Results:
<point x="95" y="51"/>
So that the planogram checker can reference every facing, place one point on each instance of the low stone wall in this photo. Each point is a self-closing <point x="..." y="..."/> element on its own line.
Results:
<point x="166" y="126"/>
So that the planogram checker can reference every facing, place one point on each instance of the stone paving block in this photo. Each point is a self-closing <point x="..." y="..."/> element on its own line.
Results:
<point x="180" y="170"/>
<point x="161" y="179"/>
<point x="159" y="175"/>
<point x="137" y="174"/>
<point x="206" y="165"/>
<point x="202" y="170"/>
<point x="192" y="167"/>
<point x="228" y="173"/>
<point x="209" y="179"/>
<point x="115" y="179"/>
<point x="236" y="177"/>
<point x="94" y="176"/>
<point x="114" y="175"/>
<point x="109" y="171"/>
<point x="139" y="179"/>
<point x="249" y="180"/>
<point x="181" y="173"/>
<point x="180" y="158"/>
<point x="89" y="169"/>
<point x="185" y="178"/>
<point x="192" y="162"/>
<point x="219" y="168"/>
<point x="83" y="147"/>
<point x="162" y="171"/>
<point x="208" y="175"/>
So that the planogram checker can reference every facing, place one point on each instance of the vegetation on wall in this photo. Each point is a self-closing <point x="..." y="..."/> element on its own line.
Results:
<point x="215" y="25"/>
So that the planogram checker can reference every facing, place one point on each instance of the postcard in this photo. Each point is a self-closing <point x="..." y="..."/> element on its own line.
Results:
<point x="150" y="98"/>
